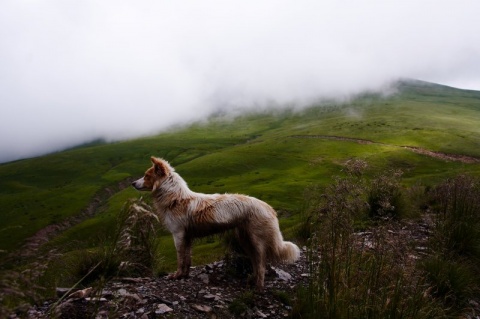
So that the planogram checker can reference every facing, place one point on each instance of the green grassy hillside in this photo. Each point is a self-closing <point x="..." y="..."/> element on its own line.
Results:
<point x="271" y="155"/>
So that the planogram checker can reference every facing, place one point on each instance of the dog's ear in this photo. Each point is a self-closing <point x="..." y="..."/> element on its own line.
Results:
<point x="161" y="168"/>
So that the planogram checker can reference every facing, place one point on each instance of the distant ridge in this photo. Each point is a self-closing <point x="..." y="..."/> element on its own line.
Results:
<point x="94" y="142"/>
<point x="419" y="86"/>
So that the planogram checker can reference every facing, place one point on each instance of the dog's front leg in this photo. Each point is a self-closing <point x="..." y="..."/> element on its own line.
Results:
<point x="188" y="257"/>
<point x="183" y="247"/>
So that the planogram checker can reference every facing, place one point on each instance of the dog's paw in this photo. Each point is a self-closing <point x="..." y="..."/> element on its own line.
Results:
<point x="177" y="275"/>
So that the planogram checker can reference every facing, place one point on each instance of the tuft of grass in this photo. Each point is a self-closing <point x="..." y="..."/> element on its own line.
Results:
<point x="137" y="241"/>
<point x="458" y="216"/>
<point x="283" y="297"/>
<point x="240" y="305"/>
<point x="132" y="250"/>
<point x="237" y="307"/>
<point x="453" y="282"/>
<point x="20" y="288"/>
<point x="453" y="265"/>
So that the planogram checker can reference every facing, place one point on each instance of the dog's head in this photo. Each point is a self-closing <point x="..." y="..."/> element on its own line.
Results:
<point x="154" y="176"/>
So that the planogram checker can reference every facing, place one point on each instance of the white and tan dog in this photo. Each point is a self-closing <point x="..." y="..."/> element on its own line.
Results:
<point x="187" y="215"/>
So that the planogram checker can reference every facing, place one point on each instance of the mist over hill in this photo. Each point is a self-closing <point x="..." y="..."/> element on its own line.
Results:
<point x="108" y="124"/>
<point x="226" y="109"/>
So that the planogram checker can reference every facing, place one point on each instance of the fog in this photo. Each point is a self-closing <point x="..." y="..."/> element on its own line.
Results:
<point x="74" y="71"/>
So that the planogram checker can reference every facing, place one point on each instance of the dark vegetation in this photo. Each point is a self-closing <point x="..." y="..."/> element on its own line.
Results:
<point x="360" y="268"/>
<point x="288" y="159"/>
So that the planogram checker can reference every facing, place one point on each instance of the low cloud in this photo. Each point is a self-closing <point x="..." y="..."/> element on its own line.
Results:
<point x="71" y="72"/>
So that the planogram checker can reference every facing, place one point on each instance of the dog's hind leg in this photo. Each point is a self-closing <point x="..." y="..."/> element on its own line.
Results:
<point x="254" y="248"/>
<point x="259" y="264"/>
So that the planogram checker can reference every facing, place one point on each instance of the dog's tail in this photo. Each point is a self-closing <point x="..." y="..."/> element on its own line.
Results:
<point x="288" y="252"/>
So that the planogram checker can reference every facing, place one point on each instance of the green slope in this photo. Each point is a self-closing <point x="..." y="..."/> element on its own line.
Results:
<point x="273" y="156"/>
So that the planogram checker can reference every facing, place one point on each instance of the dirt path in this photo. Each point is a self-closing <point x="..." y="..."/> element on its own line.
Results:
<point x="32" y="244"/>
<point x="443" y="156"/>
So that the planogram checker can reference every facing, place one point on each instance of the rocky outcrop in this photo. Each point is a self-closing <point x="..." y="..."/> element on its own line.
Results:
<point x="212" y="291"/>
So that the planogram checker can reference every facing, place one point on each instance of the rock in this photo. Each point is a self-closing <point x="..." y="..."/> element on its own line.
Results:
<point x="131" y="301"/>
<point x="129" y="279"/>
<point x="107" y="293"/>
<point x="162" y="308"/>
<point x="122" y="292"/>
<point x="204" y="278"/>
<point x="209" y="297"/>
<point x="94" y="299"/>
<point x="201" y="308"/>
<point x="81" y="293"/>
<point x="260" y="314"/>
<point x="282" y="275"/>
<point x="163" y="300"/>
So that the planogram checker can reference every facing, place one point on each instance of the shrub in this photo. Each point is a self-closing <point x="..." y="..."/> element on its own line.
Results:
<point x="385" y="197"/>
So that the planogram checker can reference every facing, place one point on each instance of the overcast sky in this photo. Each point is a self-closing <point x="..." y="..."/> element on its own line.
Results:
<point x="75" y="70"/>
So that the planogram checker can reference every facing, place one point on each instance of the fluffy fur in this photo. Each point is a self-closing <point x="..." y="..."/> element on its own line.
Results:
<point x="187" y="215"/>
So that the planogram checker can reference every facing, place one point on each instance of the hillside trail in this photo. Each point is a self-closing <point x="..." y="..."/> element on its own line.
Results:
<point x="32" y="245"/>
<point x="439" y="155"/>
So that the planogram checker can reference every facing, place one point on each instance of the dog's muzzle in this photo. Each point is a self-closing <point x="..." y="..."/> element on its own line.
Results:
<point x="139" y="184"/>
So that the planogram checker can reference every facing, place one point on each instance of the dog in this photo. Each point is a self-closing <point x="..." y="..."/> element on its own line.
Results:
<point x="188" y="215"/>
